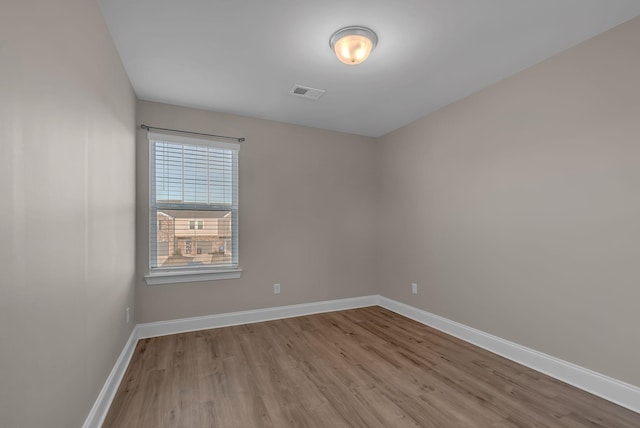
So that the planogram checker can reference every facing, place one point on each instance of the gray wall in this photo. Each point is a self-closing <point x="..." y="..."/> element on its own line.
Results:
<point x="517" y="209"/>
<point x="306" y="216"/>
<point x="67" y="118"/>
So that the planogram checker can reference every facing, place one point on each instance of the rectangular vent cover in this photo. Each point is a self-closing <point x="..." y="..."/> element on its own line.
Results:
<point x="306" y="92"/>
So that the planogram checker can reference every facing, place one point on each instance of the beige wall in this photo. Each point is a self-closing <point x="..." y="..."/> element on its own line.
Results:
<point x="306" y="216"/>
<point x="67" y="118"/>
<point x="517" y="210"/>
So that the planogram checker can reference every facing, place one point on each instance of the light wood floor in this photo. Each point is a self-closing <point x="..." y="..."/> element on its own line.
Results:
<point x="358" y="368"/>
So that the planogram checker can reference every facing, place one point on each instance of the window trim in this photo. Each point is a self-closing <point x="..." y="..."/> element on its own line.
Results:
<point x="174" y="277"/>
<point x="159" y="275"/>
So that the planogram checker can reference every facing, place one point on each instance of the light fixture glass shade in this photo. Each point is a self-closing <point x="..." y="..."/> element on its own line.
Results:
<point x="353" y="45"/>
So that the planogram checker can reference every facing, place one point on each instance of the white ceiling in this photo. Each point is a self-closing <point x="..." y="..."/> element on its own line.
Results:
<point x="243" y="56"/>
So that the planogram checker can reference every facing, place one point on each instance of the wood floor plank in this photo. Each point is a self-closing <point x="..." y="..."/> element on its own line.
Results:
<point x="365" y="367"/>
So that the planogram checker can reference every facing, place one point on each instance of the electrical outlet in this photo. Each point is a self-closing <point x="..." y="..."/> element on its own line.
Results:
<point x="276" y="288"/>
<point x="414" y="288"/>
<point x="128" y="312"/>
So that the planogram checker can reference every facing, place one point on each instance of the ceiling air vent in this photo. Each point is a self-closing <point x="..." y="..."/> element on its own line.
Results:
<point x="306" y="92"/>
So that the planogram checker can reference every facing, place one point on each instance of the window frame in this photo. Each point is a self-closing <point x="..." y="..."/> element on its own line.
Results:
<point x="178" y="274"/>
<point x="196" y="224"/>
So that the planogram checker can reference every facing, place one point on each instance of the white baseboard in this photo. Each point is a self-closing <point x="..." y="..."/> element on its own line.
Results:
<point x="610" y="389"/>
<point x="162" y="328"/>
<point x="103" y="402"/>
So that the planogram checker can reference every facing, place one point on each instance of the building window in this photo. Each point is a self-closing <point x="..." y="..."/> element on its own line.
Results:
<point x="196" y="224"/>
<point x="194" y="202"/>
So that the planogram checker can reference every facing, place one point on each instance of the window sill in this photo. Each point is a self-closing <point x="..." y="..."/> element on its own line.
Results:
<point x="159" y="278"/>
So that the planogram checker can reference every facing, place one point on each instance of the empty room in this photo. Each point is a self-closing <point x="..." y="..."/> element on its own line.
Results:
<point x="420" y="213"/>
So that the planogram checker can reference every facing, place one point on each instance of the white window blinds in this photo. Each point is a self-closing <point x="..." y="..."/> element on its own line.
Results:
<point x="193" y="203"/>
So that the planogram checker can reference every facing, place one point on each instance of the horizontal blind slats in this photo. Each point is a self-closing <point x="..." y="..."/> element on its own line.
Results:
<point x="194" y="192"/>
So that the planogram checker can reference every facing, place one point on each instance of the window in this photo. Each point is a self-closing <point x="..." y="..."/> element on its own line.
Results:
<point x="196" y="224"/>
<point x="194" y="203"/>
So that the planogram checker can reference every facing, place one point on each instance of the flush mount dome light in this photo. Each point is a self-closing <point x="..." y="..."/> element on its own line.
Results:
<point x="353" y="45"/>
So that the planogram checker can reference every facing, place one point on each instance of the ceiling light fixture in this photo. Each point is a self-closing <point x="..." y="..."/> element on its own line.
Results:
<point x="353" y="45"/>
